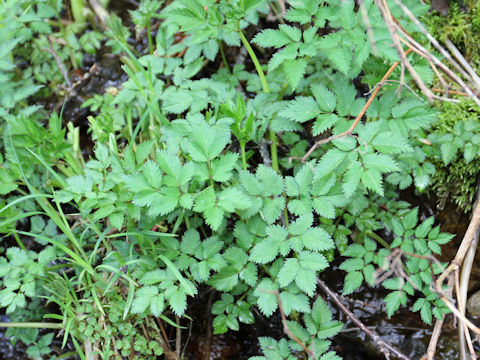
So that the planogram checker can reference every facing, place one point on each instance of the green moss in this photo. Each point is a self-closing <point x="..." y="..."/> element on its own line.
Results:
<point x="456" y="181"/>
<point x="461" y="26"/>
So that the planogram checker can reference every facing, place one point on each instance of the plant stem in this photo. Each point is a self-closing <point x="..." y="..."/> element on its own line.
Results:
<point x="31" y="325"/>
<point x="263" y="80"/>
<point x="244" y="158"/>
<point x="19" y="241"/>
<point x="254" y="58"/>
<point x="149" y="36"/>
<point x="285" y="212"/>
<point x="377" y="239"/>
<point x="224" y="58"/>
<point x="273" y="150"/>
<point x="78" y="7"/>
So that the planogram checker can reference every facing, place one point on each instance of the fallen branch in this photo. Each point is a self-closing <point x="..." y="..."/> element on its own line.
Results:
<point x="384" y="347"/>
<point x="432" y="345"/>
<point x="427" y="55"/>
<point x="463" y="288"/>
<point x="475" y="78"/>
<point x="392" y="29"/>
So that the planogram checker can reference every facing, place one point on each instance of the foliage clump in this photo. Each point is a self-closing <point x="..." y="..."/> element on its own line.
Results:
<point x="194" y="180"/>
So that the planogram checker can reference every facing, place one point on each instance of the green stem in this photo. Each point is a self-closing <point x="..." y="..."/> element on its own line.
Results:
<point x="273" y="150"/>
<point x="209" y="165"/>
<point x="263" y="80"/>
<point x="66" y="355"/>
<point x="244" y="157"/>
<point x="285" y="211"/>
<point x="149" y="36"/>
<point x="19" y="241"/>
<point x="224" y="58"/>
<point x="278" y="13"/>
<point x="377" y="239"/>
<point x="254" y="58"/>
<point x="34" y="325"/>
<point x="78" y="7"/>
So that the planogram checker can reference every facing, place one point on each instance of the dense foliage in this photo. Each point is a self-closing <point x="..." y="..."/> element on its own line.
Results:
<point x="194" y="182"/>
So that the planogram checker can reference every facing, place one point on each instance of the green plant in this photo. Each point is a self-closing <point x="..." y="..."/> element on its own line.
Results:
<point x="182" y="193"/>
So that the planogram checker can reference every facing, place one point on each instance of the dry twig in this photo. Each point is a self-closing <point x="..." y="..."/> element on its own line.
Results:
<point x="384" y="347"/>
<point x="357" y="119"/>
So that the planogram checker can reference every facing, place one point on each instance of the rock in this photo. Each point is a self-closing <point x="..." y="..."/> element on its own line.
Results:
<point x="442" y="6"/>
<point x="473" y="304"/>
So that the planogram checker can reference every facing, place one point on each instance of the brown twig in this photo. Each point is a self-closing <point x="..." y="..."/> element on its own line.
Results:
<point x="432" y="345"/>
<point x="357" y="119"/>
<point x="384" y="347"/>
<point x="368" y="26"/>
<point x="392" y="29"/>
<point x="100" y="11"/>
<point x="463" y="288"/>
<point x="427" y="55"/>
<point x="437" y="62"/>
<point x="464" y="63"/>
<point x="455" y="92"/>
<point x="59" y="62"/>
<point x="434" y="42"/>
<point x="178" y="338"/>
<point x="464" y="246"/>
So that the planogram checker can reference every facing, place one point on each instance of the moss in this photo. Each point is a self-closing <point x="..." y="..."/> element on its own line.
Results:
<point x="461" y="26"/>
<point x="458" y="180"/>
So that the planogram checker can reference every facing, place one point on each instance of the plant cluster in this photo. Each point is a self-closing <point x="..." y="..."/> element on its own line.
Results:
<point x="195" y="182"/>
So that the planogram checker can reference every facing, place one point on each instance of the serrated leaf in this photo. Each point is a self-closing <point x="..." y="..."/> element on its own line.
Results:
<point x="267" y="301"/>
<point x="324" y="208"/>
<point x="351" y="178"/>
<point x="410" y="219"/>
<point x="178" y="301"/>
<point x="292" y="32"/>
<point x="205" y="200"/>
<point x="233" y="198"/>
<point x="272" y="209"/>
<point x="142" y="299"/>
<point x="324" y="122"/>
<point x="306" y="280"/>
<point x="294" y="71"/>
<point x="301" y="225"/>
<point x="166" y="203"/>
<point x="317" y="239"/>
<point x="341" y="59"/>
<point x="380" y="162"/>
<point x="225" y="280"/>
<point x="329" y="162"/>
<point x="353" y="280"/>
<point x="214" y="217"/>
<point x="157" y="305"/>
<point x="301" y="109"/>
<point x="223" y="166"/>
<point x="326" y="99"/>
<point x="271" y="38"/>
<point x="393" y="301"/>
<point x="388" y="143"/>
<point x="288" y="272"/>
<point x="372" y="180"/>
